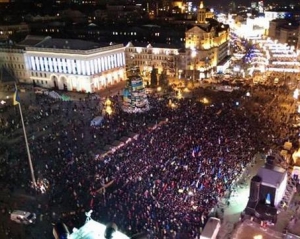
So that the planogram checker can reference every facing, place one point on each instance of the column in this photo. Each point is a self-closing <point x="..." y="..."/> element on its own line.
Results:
<point x="33" y="65"/>
<point x="42" y="63"/>
<point x="73" y="66"/>
<point x="46" y="59"/>
<point x="95" y="66"/>
<point x="108" y="62"/>
<point x="54" y="64"/>
<point x="112" y="61"/>
<point x="78" y="67"/>
<point x="115" y="60"/>
<point x="87" y="65"/>
<point x="105" y="63"/>
<point x="51" y="64"/>
<point x="99" y="65"/>
<point x="64" y="65"/>
<point x="91" y="63"/>
<point x="123" y="59"/>
<point x="69" y="67"/>
<point x="83" y="67"/>
<point x="37" y="61"/>
<point x="118" y="60"/>
<point x="59" y="65"/>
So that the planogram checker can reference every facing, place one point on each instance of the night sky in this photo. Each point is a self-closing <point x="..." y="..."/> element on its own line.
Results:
<point x="246" y="2"/>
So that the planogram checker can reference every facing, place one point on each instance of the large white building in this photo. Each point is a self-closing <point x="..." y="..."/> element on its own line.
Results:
<point x="69" y="64"/>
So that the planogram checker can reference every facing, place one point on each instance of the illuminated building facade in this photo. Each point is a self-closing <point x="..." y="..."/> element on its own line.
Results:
<point x="203" y="14"/>
<point x="249" y="27"/>
<point x="206" y="43"/>
<point x="180" y="5"/>
<point x="147" y="56"/>
<point x="72" y="65"/>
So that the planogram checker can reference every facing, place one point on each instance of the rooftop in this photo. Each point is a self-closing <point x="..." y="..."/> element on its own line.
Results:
<point x="57" y="43"/>
<point x="94" y="230"/>
<point x="271" y="175"/>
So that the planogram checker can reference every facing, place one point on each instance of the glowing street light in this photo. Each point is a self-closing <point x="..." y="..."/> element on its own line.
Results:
<point x="205" y="100"/>
<point x="179" y="96"/>
<point x="108" y="108"/>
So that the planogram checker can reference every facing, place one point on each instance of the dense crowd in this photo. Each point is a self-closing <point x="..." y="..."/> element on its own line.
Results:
<point x="164" y="181"/>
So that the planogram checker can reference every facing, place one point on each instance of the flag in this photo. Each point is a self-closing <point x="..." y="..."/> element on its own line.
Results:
<point x="16" y="98"/>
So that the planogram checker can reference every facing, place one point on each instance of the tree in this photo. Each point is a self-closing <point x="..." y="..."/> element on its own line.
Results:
<point x="163" y="79"/>
<point x="153" y="77"/>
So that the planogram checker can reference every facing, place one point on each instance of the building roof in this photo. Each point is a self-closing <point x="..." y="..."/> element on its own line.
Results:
<point x="153" y="45"/>
<point x="94" y="230"/>
<point x="31" y="40"/>
<point x="73" y="44"/>
<point x="272" y="175"/>
<point x="210" y="227"/>
<point x="58" y="43"/>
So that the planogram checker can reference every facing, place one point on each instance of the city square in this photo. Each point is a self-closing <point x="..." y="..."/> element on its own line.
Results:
<point x="182" y="125"/>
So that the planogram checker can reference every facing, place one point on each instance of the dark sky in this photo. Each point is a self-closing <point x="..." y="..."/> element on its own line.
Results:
<point x="245" y="2"/>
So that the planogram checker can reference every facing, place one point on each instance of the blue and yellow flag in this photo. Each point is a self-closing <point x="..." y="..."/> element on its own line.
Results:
<point x="16" y="98"/>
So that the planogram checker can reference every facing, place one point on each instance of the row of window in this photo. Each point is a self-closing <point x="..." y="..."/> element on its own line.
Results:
<point x="14" y="66"/>
<point x="153" y="51"/>
<point x="43" y="82"/>
<point x="20" y="74"/>
<point x="37" y="74"/>
<point x="124" y="33"/>
<point x="150" y="63"/>
<point x="73" y="66"/>
<point x="50" y="30"/>
<point x="152" y="57"/>
<point x="9" y="58"/>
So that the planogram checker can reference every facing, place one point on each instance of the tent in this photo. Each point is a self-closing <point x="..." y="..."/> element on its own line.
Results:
<point x="97" y="121"/>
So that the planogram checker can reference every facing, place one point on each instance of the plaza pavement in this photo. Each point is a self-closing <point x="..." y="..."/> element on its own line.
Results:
<point x="232" y="227"/>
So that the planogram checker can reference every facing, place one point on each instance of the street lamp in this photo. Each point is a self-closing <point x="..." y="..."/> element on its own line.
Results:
<point x="108" y="108"/>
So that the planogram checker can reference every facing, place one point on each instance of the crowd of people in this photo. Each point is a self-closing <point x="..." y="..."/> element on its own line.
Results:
<point x="164" y="181"/>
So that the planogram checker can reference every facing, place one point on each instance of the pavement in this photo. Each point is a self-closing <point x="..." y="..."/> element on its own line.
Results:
<point x="238" y="201"/>
<point x="233" y="227"/>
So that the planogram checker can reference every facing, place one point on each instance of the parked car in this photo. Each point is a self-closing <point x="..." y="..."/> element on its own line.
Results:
<point x="23" y="217"/>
